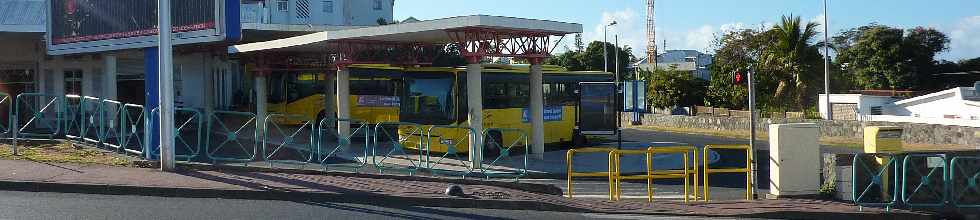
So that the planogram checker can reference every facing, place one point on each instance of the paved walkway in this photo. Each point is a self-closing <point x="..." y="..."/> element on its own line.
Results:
<point x="380" y="190"/>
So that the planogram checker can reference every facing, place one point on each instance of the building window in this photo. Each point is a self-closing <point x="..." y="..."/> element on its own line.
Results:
<point x="377" y="4"/>
<point x="328" y="6"/>
<point x="876" y="110"/>
<point x="303" y="9"/>
<point x="282" y="5"/>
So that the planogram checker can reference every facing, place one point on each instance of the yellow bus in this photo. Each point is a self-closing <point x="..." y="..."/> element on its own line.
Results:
<point x="373" y="90"/>
<point x="436" y="96"/>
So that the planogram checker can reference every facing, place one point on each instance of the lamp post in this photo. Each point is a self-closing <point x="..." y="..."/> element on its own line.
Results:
<point x="605" y="54"/>
<point x="826" y="62"/>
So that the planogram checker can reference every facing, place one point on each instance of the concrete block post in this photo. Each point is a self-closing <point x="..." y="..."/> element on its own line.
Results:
<point x="109" y="81"/>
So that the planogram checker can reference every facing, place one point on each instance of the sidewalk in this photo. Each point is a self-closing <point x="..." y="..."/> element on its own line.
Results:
<point x="389" y="191"/>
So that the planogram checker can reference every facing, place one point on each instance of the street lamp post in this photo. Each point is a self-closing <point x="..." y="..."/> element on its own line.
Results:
<point x="605" y="54"/>
<point x="826" y="62"/>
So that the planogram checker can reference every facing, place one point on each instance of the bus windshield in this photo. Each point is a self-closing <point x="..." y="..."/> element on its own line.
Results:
<point x="428" y="99"/>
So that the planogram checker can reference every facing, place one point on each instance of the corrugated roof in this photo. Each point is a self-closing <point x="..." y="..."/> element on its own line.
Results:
<point x="22" y="15"/>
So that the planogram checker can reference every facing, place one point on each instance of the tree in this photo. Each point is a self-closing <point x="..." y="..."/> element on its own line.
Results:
<point x="669" y="88"/>
<point x="791" y="59"/>
<point x="591" y="58"/>
<point x="736" y="51"/>
<point x="882" y="57"/>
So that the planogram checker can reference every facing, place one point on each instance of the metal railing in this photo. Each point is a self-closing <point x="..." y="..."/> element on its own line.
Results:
<point x="448" y="161"/>
<point x="608" y="173"/>
<point x="288" y="144"/>
<point x="685" y="174"/>
<point x="747" y="169"/>
<point x="188" y="133"/>
<point x="397" y="157"/>
<point x="333" y="147"/>
<point x="880" y="183"/>
<point x="964" y="172"/>
<point x="45" y="116"/>
<point x="232" y="137"/>
<point x="503" y="153"/>
<point x="8" y="117"/>
<point x="924" y="180"/>
<point x="133" y="129"/>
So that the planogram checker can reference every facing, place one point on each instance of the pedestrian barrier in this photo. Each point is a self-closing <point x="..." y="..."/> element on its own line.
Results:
<point x="84" y="118"/>
<point x="503" y="162"/>
<point x="288" y="144"/>
<point x="111" y="131"/>
<point x="685" y="174"/>
<point x="392" y="147"/>
<point x="335" y="150"/>
<point x="964" y="184"/>
<point x="231" y="137"/>
<point x="747" y="170"/>
<point x="6" y="122"/>
<point x="608" y="173"/>
<point x="188" y="133"/>
<point x="133" y="129"/>
<point x="37" y="116"/>
<point x="875" y="179"/>
<point x="615" y="156"/>
<point x="924" y="180"/>
<point x="442" y="145"/>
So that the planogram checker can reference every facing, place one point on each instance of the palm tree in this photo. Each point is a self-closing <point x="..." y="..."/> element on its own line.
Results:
<point x="790" y="57"/>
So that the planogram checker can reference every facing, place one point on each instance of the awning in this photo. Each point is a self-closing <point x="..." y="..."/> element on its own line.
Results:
<point x="428" y="32"/>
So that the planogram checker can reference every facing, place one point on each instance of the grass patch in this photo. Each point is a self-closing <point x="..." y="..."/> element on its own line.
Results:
<point x="63" y="152"/>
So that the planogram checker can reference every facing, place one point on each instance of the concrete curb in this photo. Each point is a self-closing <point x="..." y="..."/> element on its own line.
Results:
<point x="310" y="197"/>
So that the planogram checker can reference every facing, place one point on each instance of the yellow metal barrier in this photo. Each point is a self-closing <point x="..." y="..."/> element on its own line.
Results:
<point x="747" y="169"/>
<point x="686" y="173"/>
<point x="568" y="160"/>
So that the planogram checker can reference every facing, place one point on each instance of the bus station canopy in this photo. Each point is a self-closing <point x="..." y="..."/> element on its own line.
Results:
<point x="425" y="32"/>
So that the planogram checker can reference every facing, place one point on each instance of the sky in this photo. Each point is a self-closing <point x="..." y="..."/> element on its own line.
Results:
<point x="694" y="24"/>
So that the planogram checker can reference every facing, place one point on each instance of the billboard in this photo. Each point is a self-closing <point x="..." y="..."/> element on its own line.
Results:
<point x="598" y="109"/>
<point x="83" y="26"/>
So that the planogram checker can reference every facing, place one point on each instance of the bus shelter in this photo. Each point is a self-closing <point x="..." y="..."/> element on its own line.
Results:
<point x="476" y="37"/>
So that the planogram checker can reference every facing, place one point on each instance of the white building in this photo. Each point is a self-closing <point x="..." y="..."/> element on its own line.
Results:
<point x="958" y="106"/>
<point x="856" y="106"/>
<point x="956" y="103"/>
<point x="26" y="67"/>
<point x="691" y="61"/>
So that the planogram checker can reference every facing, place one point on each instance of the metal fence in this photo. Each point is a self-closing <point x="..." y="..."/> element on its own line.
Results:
<point x="916" y="180"/>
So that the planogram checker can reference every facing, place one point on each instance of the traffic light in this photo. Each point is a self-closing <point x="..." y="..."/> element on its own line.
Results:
<point x="739" y="78"/>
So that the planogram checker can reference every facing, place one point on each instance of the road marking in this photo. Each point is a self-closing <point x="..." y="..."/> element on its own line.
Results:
<point x="643" y="217"/>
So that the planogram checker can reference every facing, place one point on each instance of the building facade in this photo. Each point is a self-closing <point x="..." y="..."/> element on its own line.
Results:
<point x="25" y="66"/>
<point x="692" y="61"/>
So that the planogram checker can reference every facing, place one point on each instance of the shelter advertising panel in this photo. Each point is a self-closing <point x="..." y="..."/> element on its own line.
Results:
<point x="599" y="109"/>
<point x="82" y="26"/>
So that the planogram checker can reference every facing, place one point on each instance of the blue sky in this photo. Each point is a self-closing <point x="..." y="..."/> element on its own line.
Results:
<point x="693" y="24"/>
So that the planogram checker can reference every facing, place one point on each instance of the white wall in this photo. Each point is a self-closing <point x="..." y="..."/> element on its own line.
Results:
<point x="863" y="102"/>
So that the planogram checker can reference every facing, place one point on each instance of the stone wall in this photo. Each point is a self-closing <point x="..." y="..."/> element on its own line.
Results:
<point x="925" y="134"/>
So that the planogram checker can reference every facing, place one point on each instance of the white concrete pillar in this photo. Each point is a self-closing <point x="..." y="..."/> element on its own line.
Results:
<point x="109" y="84"/>
<point x="474" y="99"/>
<point x="261" y="101"/>
<point x="210" y="68"/>
<point x="343" y="101"/>
<point x="329" y="95"/>
<point x="537" y="111"/>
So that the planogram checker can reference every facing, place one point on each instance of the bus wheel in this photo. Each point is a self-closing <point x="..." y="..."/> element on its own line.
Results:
<point x="492" y="150"/>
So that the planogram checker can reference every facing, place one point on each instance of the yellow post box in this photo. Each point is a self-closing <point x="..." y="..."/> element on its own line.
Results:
<point x="882" y="139"/>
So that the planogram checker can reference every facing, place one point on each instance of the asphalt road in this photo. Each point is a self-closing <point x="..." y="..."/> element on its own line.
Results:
<point x="43" y="205"/>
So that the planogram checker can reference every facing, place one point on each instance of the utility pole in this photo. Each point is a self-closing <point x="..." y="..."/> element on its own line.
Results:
<point x="752" y="124"/>
<point x="166" y="88"/>
<point x="826" y="62"/>
<point x="605" y="41"/>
